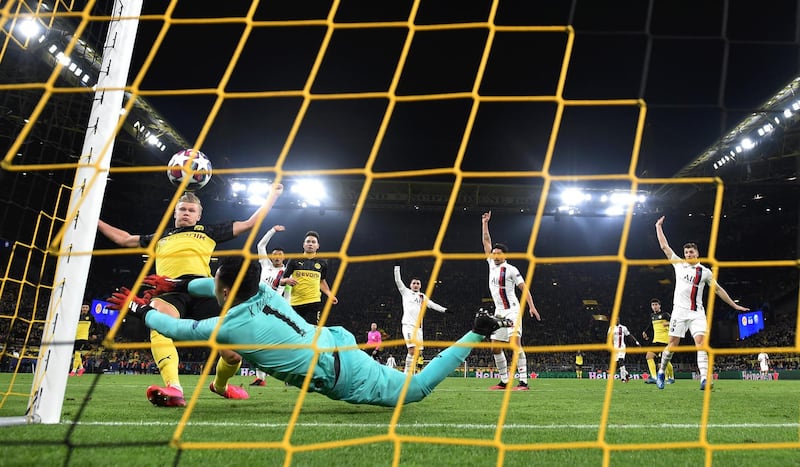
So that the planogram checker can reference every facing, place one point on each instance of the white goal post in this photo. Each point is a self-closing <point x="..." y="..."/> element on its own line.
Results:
<point x="69" y="283"/>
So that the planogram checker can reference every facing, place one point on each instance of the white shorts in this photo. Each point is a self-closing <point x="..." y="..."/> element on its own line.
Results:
<point x="687" y="320"/>
<point x="764" y="367"/>
<point x="621" y="354"/>
<point x="408" y="334"/>
<point x="504" y="334"/>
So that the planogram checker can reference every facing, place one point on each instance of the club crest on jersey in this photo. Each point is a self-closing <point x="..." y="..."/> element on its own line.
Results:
<point x="317" y="266"/>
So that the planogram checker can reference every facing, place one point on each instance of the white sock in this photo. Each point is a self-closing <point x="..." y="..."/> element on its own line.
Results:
<point x="409" y="363"/>
<point x="522" y="367"/>
<point x="666" y="356"/>
<point x="622" y="372"/>
<point x="502" y="366"/>
<point x="702" y="364"/>
<point x="260" y="374"/>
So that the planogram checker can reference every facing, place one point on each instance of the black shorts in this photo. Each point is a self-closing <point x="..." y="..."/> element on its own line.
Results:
<point x="82" y="344"/>
<point x="310" y="312"/>
<point x="189" y="307"/>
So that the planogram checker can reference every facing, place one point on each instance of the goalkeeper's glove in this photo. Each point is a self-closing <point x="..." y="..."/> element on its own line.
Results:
<point x="137" y="307"/>
<point x="163" y="284"/>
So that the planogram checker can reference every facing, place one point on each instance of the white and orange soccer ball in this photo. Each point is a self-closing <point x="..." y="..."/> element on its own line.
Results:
<point x="192" y="164"/>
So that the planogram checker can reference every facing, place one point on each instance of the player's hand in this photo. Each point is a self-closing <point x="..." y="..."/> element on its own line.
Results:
<point x="137" y="307"/>
<point x="163" y="284"/>
<point x="660" y="221"/>
<point x="278" y="228"/>
<point x="486" y="216"/>
<point x="638" y="344"/>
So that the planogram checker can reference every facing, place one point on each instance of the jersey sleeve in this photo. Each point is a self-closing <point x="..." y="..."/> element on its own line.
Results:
<point x="435" y="306"/>
<point x="290" y="267"/>
<point x="181" y="329"/>
<point x="261" y="246"/>
<point x="203" y="287"/>
<point x="398" y="281"/>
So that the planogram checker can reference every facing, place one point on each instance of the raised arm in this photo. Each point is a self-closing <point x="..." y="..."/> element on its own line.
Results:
<point x="485" y="237"/>
<point x="243" y="226"/>
<point x="398" y="280"/>
<point x="118" y="236"/>
<point x="261" y="246"/>
<point x="662" y="239"/>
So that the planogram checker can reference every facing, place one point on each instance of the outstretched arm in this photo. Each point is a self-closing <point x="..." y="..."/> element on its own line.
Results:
<point x="723" y="294"/>
<point x="529" y="298"/>
<point x="240" y="227"/>
<point x="485" y="237"/>
<point x="662" y="239"/>
<point x="435" y="306"/>
<point x="118" y="236"/>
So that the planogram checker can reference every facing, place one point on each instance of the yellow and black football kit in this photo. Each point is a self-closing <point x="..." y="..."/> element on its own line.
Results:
<point x="306" y="295"/>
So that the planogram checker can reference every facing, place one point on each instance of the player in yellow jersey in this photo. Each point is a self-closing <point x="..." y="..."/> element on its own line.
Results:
<point x="579" y="365"/>
<point x="308" y="278"/>
<point x="659" y="326"/>
<point x="185" y="252"/>
<point x="85" y="336"/>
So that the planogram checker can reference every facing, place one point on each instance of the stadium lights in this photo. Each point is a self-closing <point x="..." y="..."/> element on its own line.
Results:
<point x="600" y="202"/>
<point x="309" y="192"/>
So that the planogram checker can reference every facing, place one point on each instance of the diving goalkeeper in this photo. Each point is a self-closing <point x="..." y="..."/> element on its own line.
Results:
<point x="260" y="319"/>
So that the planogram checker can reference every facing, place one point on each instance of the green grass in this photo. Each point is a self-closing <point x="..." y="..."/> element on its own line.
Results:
<point x="108" y="421"/>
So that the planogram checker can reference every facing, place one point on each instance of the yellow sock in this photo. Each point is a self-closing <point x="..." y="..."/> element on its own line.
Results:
<point x="77" y="361"/>
<point x="669" y="372"/>
<point x="225" y="371"/>
<point x="651" y="365"/>
<point x="166" y="356"/>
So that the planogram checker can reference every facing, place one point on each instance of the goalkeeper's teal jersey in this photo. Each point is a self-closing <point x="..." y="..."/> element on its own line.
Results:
<point x="267" y="332"/>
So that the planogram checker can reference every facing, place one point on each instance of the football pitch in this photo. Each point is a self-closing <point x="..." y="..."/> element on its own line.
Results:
<point x="108" y="421"/>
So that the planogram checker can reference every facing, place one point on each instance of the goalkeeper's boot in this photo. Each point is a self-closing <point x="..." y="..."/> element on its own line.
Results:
<point x="650" y="380"/>
<point x="660" y="380"/>
<point x="485" y="325"/>
<point x="258" y="382"/>
<point x="168" y="396"/>
<point x="231" y="392"/>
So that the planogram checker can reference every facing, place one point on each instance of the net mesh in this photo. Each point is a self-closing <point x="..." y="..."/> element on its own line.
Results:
<point x="391" y="97"/>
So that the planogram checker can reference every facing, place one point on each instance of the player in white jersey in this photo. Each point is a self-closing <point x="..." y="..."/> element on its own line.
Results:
<point x="763" y="363"/>
<point x="272" y="269"/>
<point x="413" y="299"/>
<point x="618" y="335"/>
<point x="503" y="280"/>
<point x="688" y="313"/>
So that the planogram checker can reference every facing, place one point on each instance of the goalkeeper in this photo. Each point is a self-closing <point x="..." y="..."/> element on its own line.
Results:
<point x="259" y="320"/>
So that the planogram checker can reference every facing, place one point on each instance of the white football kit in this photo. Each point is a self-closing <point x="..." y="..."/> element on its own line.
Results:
<point x="688" y="313"/>
<point x="412" y="305"/>
<point x="503" y="281"/>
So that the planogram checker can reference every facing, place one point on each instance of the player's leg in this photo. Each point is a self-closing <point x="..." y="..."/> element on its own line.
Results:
<point x="228" y="364"/>
<point x="260" y="380"/>
<point x="499" y="337"/>
<point x="623" y="373"/>
<point x="410" y="347"/>
<point x="77" y="362"/>
<point x="443" y="364"/>
<point x="651" y="365"/>
<point x="165" y="354"/>
<point x="698" y="328"/>
<point x="522" y="365"/>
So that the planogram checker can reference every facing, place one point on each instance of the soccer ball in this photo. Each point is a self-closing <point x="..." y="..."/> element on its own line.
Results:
<point x="192" y="164"/>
